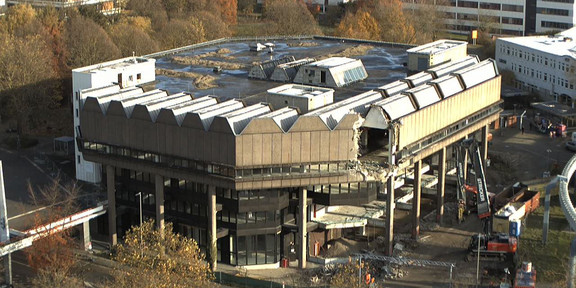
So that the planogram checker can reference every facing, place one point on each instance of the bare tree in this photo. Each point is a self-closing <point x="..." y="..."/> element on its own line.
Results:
<point x="26" y="72"/>
<point x="88" y="43"/>
<point x="178" y="33"/>
<point x="53" y="256"/>
<point x="132" y="39"/>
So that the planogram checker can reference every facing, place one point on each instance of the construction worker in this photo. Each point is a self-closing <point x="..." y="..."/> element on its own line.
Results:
<point x="461" y="210"/>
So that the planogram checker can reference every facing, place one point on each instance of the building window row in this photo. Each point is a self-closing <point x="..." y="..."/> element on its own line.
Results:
<point x="512" y="8"/>
<point x="130" y="196"/>
<point x="513" y="21"/>
<point x="551" y="11"/>
<point x="489" y="6"/>
<point x="255" y="249"/>
<point x="468" y="4"/>
<point x="185" y="207"/>
<point x="346" y="188"/>
<point x="530" y="72"/>
<point x="271" y="217"/>
<point x="560" y="1"/>
<point x="170" y="161"/>
<point x="324" y="168"/>
<point x="555" y="25"/>
<point x="466" y="16"/>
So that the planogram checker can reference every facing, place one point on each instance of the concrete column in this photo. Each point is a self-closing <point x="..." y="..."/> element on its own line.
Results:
<point x="212" y="248"/>
<point x="159" y="195"/>
<point x="416" y="199"/>
<point x="484" y="148"/>
<point x="86" y="239"/>
<point x="440" y="187"/>
<point x="465" y="162"/>
<point x="111" y="186"/>
<point x="302" y="233"/>
<point x="389" y="237"/>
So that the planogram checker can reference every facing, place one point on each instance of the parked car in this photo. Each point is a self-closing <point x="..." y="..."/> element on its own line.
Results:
<point x="571" y="145"/>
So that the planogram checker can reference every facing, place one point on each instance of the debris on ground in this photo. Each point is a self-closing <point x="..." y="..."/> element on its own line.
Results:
<point x="200" y="81"/>
<point x="358" y="50"/>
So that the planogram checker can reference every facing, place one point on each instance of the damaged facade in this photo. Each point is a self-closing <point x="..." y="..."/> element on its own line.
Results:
<point x="256" y="182"/>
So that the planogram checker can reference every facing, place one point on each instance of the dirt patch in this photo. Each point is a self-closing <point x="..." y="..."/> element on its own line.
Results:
<point x="303" y="44"/>
<point x="351" y="51"/>
<point x="201" y="81"/>
<point x="200" y="60"/>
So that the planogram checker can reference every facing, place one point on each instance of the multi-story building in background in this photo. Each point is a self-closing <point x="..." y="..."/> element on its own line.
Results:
<point x="515" y="17"/>
<point x="541" y="64"/>
<point x="105" y="6"/>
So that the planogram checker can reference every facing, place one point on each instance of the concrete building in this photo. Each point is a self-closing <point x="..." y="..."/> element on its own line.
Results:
<point x="332" y="72"/>
<point x="517" y="17"/>
<point x="305" y="98"/>
<point x="541" y="64"/>
<point x="261" y="184"/>
<point x="105" y="6"/>
<point x="113" y="77"/>
<point x="432" y="54"/>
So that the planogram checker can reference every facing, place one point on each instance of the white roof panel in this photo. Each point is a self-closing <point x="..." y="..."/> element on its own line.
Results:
<point x="393" y="88"/>
<point x="447" y="68"/>
<point x="418" y="79"/>
<point x="478" y="73"/>
<point x="424" y="95"/>
<point x="396" y="106"/>
<point x="447" y="85"/>
<point x="285" y="117"/>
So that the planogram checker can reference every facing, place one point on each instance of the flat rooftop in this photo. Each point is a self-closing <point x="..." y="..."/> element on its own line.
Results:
<point x="383" y="65"/>
<point x="296" y="90"/>
<point x="436" y="46"/>
<point x="112" y="65"/>
<point x="561" y="44"/>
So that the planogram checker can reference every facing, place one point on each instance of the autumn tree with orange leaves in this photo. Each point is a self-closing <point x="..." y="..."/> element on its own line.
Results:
<point x="53" y="256"/>
<point x="393" y="26"/>
<point x="360" y="25"/>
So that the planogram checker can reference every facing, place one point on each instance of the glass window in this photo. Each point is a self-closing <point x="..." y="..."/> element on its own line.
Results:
<point x="261" y="252"/>
<point x="242" y="250"/>
<point x="270" y="251"/>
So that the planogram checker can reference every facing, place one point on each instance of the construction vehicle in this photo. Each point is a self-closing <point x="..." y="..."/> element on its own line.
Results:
<point x="473" y="195"/>
<point x="496" y="247"/>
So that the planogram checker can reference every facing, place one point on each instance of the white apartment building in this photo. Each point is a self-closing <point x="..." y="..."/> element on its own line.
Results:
<point x="543" y="64"/>
<point x="507" y="17"/>
<point x="120" y="75"/>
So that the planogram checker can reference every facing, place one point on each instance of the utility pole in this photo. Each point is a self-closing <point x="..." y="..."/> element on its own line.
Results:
<point x="139" y="194"/>
<point x="5" y="231"/>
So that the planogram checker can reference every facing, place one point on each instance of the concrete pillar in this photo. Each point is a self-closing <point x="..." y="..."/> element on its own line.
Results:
<point x="86" y="239"/>
<point x="302" y="233"/>
<point x="212" y="248"/>
<point x="389" y="237"/>
<point x="440" y="187"/>
<point x="111" y="187"/>
<point x="159" y="195"/>
<point x="465" y="162"/>
<point x="416" y="199"/>
<point x="484" y="148"/>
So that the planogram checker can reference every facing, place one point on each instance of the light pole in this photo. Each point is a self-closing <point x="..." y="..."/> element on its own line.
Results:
<point x="548" y="151"/>
<point x="139" y="194"/>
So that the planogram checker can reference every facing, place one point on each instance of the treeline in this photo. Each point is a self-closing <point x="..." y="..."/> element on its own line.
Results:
<point x="43" y="45"/>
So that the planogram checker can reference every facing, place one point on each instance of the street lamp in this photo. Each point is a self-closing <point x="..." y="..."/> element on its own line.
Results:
<point x="548" y="153"/>
<point x="139" y="194"/>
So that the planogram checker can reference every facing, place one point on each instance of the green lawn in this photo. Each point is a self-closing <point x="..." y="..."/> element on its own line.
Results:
<point x="551" y="260"/>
